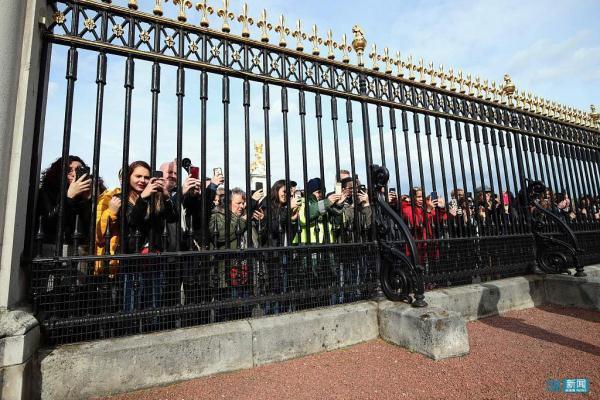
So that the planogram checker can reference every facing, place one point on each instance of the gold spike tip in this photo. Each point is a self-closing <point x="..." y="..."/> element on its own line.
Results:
<point x="594" y="114"/>
<point x="132" y="4"/>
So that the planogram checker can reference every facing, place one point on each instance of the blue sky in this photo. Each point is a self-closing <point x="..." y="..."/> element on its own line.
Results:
<point x="549" y="48"/>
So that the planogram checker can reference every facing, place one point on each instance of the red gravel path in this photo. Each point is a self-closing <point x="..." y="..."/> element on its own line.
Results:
<point x="512" y="356"/>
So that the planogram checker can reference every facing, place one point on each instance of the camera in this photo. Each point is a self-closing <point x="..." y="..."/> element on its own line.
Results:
<point x="82" y="170"/>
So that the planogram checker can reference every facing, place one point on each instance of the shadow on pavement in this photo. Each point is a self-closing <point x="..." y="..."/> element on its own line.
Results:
<point x="517" y="325"/>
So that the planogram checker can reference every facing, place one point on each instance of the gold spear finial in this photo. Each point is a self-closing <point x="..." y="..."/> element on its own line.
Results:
<point x="443" y="77"/>
<point x="205" y="10"/>
<point x="226" y="15"/>
<point x="359" y="43"/>
<point x="245" y="20"/>
<point x="331" y="44"/>
<point x="431" y="73"/>
<point x="264" y="26"/>
<point x="374" y="57"/>
<point x="182" y="5"/>
<point x="595" y="115"/>
<point x="520" y="99"/>
<point x="478" y="87"/>
<point x="461" y="82"/>
<point x="132" y="4"/>
<point x="282" y="30"/>
<point x="387" y="60"/>
<point x="345" y="49"/>
<point x="546" y="107"/>
<point x="486" y="87"/>
<point x="421" y="70"/>
<point x="157" y="8"/>
<point x="451" y="79"/>
<point x="411" y="67"/>
<point x="469" y="84"/>
<point x="399" y="64"/>
<point x="299" y="35"/>
<point x="315" y="40"/>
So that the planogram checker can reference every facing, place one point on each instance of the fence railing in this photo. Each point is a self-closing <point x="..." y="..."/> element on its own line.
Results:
<point x="170" y="245"/>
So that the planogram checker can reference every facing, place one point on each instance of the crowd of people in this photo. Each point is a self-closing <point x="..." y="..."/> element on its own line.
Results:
<point x="210" y="219"/>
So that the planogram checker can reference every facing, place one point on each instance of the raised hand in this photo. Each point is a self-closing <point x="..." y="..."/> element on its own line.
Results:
<point x="79" y="187"/>
<point x="192" y="185"/>
<point x="114" y="205"/>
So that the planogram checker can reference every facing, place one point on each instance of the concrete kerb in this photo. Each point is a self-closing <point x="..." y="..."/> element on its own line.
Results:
<point x="112" y="366"/>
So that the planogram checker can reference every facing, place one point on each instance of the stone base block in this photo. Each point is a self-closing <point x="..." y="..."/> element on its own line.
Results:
<point x="490" y="298"/>
<point x="295" y="335"/>
<point x="16" y="382"/>
<point x="431" y="331"/>
<point x="569" y="291"/>
<point x="80" y="371"/>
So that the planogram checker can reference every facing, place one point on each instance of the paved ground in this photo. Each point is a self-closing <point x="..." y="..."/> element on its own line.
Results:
<point x="512" y="356"/>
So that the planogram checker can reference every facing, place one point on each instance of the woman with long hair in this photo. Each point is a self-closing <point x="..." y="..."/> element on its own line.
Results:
<point x="77" y="206"/>
<point x="279" y="214"/>
<point x="148" y="209"/>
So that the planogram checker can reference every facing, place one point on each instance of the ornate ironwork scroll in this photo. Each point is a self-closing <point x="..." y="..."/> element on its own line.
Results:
<point x="553" y="255"/>
<point x="401" y="276"/>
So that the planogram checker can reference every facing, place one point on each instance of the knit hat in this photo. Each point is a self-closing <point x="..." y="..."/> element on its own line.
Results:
<point x="313" y="185"/>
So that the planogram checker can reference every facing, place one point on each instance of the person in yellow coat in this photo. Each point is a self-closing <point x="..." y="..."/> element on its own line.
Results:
<point x="107" y="211"/>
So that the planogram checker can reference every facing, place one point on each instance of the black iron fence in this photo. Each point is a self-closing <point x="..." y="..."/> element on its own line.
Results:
<point x="140" y="248"/>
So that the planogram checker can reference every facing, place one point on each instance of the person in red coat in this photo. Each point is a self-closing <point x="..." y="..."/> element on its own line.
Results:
<point x="425" y="222"/>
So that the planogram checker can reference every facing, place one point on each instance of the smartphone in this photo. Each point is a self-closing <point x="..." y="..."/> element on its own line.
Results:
<point x="338" y="188"/>
<point x="259" y="186"/>
<point x="217" y="171"/>
<point x="362" y="188"/>
<point x="469" y="195"/>
<point x="194" y="172"/>
<point x="157" y="174"/>
<point x="434" y="196"/>
<point x="392" y="190"/>
<point x="505" y="200"/>
<point x="82" y="170"/>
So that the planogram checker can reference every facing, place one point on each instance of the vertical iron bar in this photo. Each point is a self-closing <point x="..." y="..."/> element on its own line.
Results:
<point x="180" y="95"/>
<point x="408" y="164"/>
<point x="204" y="204"/>
<point x="438" y="134"/>
<point x="266" y="109"/>
<point x="349" y="120"/>
<point x="129" y="83"/>
<point x="246" y="104"/>
<point x="395" y="147"/>
<point x="71" y="77"/>
<point x="380" y="128"/>
<point x="225" y="99"/>
<point x="286" y="154"/>
<point x="319" y="116"/>
<point x="500" y="221"/>
<point x="100" y="82"/>
<point x="302" y="113"/>
<point x="334" y="120"/>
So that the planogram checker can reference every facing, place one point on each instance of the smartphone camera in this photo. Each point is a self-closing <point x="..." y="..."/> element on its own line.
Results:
<point x="194" y="172"/>
<point x="82" y="170"/>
